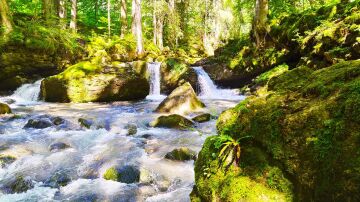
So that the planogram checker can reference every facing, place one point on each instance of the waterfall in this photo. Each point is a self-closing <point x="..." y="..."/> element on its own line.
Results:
<point x="155" y="77"/>
<point x="209" y="90"/>
<point x="28" y="92"/>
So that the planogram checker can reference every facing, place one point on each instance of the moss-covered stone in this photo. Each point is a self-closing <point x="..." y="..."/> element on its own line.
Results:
<point x="305" y="138"/>
<point x="181" y="154"/>
<point x="202" y="118"/>
<point x="86" y="82"/>
<point x="172" y="121"/>
<point x="4" y="109"/>
<point x="126" y="174"/>
<point x="182" y="100"/>
<point x="6" y="160"/>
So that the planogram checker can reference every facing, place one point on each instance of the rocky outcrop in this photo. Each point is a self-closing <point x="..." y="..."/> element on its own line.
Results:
<point x="172" y="121"/>
<point x="303" y="145"/>
<point x="85" y="82"/>
<point x="182" y="100"/>
<point x="4" y="109"/>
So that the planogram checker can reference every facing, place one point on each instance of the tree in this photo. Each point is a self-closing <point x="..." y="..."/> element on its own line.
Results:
<point x="62" y="13"/>
<point x="6" y="20"/>
<point x="73" y="22"/>
<point x="48" y="9"/>
<point x="260" y="24"/>
<point x="123" y="18"/>
<point x="109" y="17"/>
<point x="159" y="10"/>
<point x="136" y="25"/>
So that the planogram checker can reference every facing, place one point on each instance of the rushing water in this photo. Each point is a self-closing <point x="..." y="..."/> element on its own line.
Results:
<point x="94" y="150"/>
<point x="153" y="69"/>
<point x="28" y="92"/>
<point x="208" y="89"/>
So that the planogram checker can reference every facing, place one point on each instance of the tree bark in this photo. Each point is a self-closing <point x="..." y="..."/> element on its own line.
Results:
<point x="123" y="18"/>
<point x="109" y="17"/>
<point x="73" y="22"/>
<point x="49" y="9"/>
<point x="136" y="25"/>
<point x="260" y="26"/>
<point x="6" y="20"/>
<point x="62" y="13"/>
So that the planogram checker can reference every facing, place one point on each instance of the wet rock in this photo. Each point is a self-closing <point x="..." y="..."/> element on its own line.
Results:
<point x="57" y="121"/>
<point x="58" y="146"/>
<point x="8" y="101"/>
<point x="18" y="185"/>
<point x="85" y="122"/>
<point x="59" y="179"/>
<point x="202" y="118"/>
<point x="181" y="154"/>
<point x="172" y="121"/>
<point x="126" y="174"/>
<point x="163" y="184"/>
<point x="4" y="109"/>
<point x="145" y="176"/>
<point x="182" y="100"/>
<point x="131" y="129"/>
<point x="147" y="136"/>
<point x="6" y="160"/>
<point x="39" y="123"/>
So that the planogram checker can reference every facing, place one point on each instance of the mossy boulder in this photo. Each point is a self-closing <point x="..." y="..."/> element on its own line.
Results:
<point x="18" y="184"/>
<point x="4" y="109"/>
<point x="126" y="174"/>
<point x="202" y="118"/>
<point x="58" y="179"/>
<point x="305" y="138"/>
<point x="172" y="121"/>
<point x="6" y="160"/>
<point x="131" y="129"/>
<point x="182" y="100"/>
<point x="86" y="82"/>
<point x="181" y="154"/>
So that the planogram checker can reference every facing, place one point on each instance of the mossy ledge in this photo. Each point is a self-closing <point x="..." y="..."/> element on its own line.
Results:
<point x="305" y="141"/>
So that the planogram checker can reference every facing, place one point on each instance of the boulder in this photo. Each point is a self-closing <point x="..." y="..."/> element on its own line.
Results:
<point x="202" y="118"/>
<point x="131" y="129"/>
<point x="172" y="121"/>
<point x="4" y="109"/>
<point x="181" y="154"/>
<point x="55" y="147"/>
<point x="17" y="185"/>
<point x="58" y="179"/>
<point x="125" y="174"/>
<point x="86" y="82"/>
<point x="182" y="100"/>
<point x="39" y="123"/>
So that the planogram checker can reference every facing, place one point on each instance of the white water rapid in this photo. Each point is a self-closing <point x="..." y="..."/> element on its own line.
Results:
<point x="27" y="93"/>
<point x="155" y="78"/>
<point x="208" y="89"/>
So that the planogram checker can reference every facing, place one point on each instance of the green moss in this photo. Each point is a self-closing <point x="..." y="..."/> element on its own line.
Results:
<point x="112" y="174"/>
<point x="4" y="109"/>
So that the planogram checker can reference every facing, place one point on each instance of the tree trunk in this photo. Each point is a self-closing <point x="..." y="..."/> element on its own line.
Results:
<point x="6" y="20"/>
<point x="160" y="29"/>
<point x="154" y="23"/>
<point x="123" y="18"/>
<point x="109" y="17"/>
<point x="136" y="25"/>
<point x="48" y="9"/>
<point x="260" y="26"/>
<point x="73" y="22"/>
<point x="62" y="13"/>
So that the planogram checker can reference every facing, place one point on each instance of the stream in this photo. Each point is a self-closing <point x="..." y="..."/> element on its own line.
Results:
<point x="92" y="151"/>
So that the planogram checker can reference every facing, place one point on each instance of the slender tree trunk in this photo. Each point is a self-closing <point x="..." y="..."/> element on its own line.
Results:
<point x="6" y="20"/>
<point x="260" y="26"/>
<point x="155" y="23"/>
<point x="160" y="29"/>
<point x="136" y="25"/>
<point x="109" y="17"/>
<point x="62" y="13"/>
<point x="123" y="18"/>
<point x="48" y="9"/>
<point x="73" y="22"/>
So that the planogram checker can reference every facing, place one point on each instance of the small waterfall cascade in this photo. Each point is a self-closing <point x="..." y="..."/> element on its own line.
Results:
<point x="28" y="92"/>
<point x="155" y="77"/>
<point x="209" y="90"/>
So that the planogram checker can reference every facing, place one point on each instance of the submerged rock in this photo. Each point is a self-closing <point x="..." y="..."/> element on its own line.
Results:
<point x="6" y="160"/>
<point x="87" y="123"/>
<point x="39" y="123"/>
<point x="181" y="154"/>
<point x="4" y="109"/>
<point x="126" y="174"/>
<point x="18" y="185"/>
<point x="202" y="118"/>
<point x="172" y="121"/>
<point x="58" y="179"/>
<point x="86" y="82"/>
<point x="131" y="129"/>
<point x="182" y="100"/>
<point x="58" y="146"/>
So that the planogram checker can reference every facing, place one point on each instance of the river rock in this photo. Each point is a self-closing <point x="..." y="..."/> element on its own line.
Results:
<point x="58" y="179"/>
<point x="202" y="118"/>
<point x="126" y="174"/>
<point x="38" y="123"/>
<point x="182" y="100"/>
<point x="131" y="129"/>
<point x="86" y="82"/>
<point x="87" y="123"/>
<point x="17" y="185"/>
<point x="181" y="154"/>
<point x="58" y="146"/>
<point x="6" y="160"/>
<point x="4" y="109"/>
<point x="172" y="121"/>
